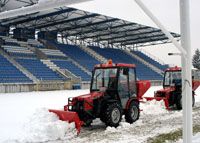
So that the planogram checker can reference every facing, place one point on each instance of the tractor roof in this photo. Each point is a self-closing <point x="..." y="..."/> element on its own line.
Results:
<point x="109" y="64"/>
<point x="173" y="68"/>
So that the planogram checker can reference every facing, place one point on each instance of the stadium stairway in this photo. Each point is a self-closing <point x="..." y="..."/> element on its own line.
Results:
<point x="154" y="68"/>
<point x="94" y="54"/>
<point x="55" y="45"/>
<point x="19" y="67"/>
<point x="66" y="73"/>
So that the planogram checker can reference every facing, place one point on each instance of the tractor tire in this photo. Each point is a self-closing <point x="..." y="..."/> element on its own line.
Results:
<point x="193" y="100"/>
<point x="179" y="104"/>
<point x="102" y="115"/>
<point x="113" y="115"/>
<point x="133" y="112"/>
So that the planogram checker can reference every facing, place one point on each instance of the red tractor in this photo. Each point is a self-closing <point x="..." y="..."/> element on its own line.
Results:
<point x="114" y="92"/>
<point x="172" y="88"/>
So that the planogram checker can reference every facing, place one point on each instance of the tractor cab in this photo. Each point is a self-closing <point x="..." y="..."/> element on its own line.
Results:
<point x="116" y="80"/>
<point x="172" y="88"/>
<point x="172" y="78"/>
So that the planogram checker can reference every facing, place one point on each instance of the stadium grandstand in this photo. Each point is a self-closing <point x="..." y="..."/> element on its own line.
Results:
<point x="57" y="49"/>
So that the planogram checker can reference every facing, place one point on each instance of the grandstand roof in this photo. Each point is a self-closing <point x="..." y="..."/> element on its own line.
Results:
<point x="86" y="25"/>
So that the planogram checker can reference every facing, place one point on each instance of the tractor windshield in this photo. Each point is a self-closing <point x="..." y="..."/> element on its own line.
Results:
<point x="104" y="79"/>
<point x="171" y="77"/>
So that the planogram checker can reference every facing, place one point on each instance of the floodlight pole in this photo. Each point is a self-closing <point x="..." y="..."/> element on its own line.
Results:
<point x="186" y="71"/>
<point x="185" y="49"/>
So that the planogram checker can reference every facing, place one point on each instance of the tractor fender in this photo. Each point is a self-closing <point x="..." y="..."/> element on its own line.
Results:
<point x="129" y="102"/>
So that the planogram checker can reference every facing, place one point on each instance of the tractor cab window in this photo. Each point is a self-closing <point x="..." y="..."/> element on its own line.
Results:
<point x="172" y="77"/>
<point x="132" y="82"/>
<point x="123" y="82"/>
<point x="196" y="74"/>
<point x="104" y="78"/>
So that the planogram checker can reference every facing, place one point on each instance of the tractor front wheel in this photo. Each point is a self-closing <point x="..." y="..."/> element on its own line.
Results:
<point x="133" y="112"/>
<point x="113" y="115"/>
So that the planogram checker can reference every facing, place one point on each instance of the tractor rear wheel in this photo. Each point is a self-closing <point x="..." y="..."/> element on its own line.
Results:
<point x="133" y="112"/>
<point x="113" y="114"/>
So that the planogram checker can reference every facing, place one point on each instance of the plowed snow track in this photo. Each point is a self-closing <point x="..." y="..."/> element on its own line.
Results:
<point x="147" y="126"/>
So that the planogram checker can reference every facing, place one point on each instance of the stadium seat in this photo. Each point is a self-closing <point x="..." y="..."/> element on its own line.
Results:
<point x="38" y="69"/>
<point x="117" y="55"/>
<point x="10" y="74"/>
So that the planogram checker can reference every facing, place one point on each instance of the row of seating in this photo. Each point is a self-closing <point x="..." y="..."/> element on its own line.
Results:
<point x="35" y="43"/>
<point x="39" y="70"/>
<point x="53" y="54"/>
<point x="118" y="56"/>
<point x="10" y="74"/>
<point x="77" y="54"/>
<point x="150" y="60"/>
<point x="18" y="51"/>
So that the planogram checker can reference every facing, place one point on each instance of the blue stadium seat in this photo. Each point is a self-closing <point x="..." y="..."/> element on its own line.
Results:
<point x="78" y="55"/>
<point x="150" y="60"/>
<point x="41" y="71"/>
<point x="10" y="74"/>
<point x="118" y="56"/>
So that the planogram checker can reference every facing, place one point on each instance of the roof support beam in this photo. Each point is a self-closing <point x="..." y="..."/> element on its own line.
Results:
<point x="42" y="6"/>
<point x="117" y="32"/>
<point x="126" y="35"/>
<point x="41" y="16"/>
<point x="67" y="21"/>
<point x="144" y="41"/>
<point x="89" y="24"/>
<point x="103" y="29"/>
<point x="139" y="38"/>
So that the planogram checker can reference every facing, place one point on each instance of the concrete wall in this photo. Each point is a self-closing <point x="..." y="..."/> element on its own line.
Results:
<point x="12" y="88"/>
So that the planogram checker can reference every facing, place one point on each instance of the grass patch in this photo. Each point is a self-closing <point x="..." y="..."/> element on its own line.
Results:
<point x="172" y="136"/>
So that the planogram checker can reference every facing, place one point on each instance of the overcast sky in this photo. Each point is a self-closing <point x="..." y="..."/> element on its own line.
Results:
<point x="167" y="11"/>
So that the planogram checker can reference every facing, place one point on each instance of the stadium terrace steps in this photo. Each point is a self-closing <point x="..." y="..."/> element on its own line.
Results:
<point x="153" y="67"/>
<point x="93" y="54"/>
<point x="54" y="67"/>
<point x="117" y="55"/>
<point x="78" y="55"/>
<point x="70" y="66"/>
<point x="54" y="45"/>
<point x="53" y="53"/>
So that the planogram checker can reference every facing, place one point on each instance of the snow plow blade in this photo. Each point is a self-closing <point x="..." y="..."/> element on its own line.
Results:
<point x="69" y="117"/>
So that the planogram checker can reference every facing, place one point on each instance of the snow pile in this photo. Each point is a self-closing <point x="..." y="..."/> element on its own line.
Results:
<point x="45" y="126"/>
<point x="155" y="107"/>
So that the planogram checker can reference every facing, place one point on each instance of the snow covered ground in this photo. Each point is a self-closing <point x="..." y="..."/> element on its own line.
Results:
<point x="25" y="118"/>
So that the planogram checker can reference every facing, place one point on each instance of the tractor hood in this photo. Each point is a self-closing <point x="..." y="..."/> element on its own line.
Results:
<point x="90" y="96"/>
